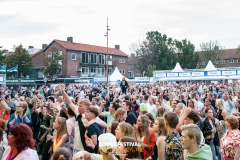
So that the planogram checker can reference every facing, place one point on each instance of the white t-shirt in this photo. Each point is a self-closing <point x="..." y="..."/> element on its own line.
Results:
<point x="24" y="155"/>
<point x="96" y="106"/>
<point x="227" y="107"/>
<point x="200" y="105"/>
<point x="152" y="108"/>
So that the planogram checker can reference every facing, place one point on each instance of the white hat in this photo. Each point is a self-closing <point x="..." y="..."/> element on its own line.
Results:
<point x="107" y="141"/>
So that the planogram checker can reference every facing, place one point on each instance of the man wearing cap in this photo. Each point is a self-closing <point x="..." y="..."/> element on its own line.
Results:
<point x="107" y="144"/>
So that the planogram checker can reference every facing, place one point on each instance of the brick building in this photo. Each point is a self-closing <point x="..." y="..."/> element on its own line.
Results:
<point x="228" y="58"/>
<point x="132" y="67"/>
<point x="82" y="60"/>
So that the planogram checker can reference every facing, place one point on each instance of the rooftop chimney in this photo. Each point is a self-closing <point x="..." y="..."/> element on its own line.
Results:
<point x="44" y="46"/>
<point x="30" y="47"/>
<point x="70" y="39"/>
<point x="132" y="55"/>
<point x="117" y="47"/>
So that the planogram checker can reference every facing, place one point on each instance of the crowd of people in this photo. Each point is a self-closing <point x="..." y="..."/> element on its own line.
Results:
<point x="164" y="121"/>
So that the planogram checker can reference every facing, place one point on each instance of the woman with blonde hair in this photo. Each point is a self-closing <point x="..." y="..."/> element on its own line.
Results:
<point x="60" y="136"/>
<point x="180" y="107"/>
<point x="124" y="129"/>
<point x="120" y="115"/>
<point x="21" y="115"/>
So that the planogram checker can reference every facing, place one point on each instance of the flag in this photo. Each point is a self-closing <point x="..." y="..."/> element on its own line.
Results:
<point x="13" y="69"/>
<point x="3" y="68"/>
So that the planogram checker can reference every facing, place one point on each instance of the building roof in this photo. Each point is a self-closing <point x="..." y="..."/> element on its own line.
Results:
<point x="88" y="48"/>
<point x="230" y="53"/>
<point x="38" y="52"/>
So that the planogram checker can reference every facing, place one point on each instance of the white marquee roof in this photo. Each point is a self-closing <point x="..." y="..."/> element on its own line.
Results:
<point x="116" y="75"/>
<point x="210" y="67"/>
<point x="177" y="68"/>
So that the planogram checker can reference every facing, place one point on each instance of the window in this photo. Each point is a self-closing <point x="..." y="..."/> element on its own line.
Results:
<point x="109" y="57"/>
<point x="101" y="59"/>
<point x="122" y="71"/>
<point x="216" y="62"/>
<point x="85" y="70"/>
<point x="110" y="70"/>
<point x="40" y="74"/>
<point x="222" y="61"/>
<point x="93" y="58"/>
<point x="131" y="66"/>
<point x="121" y="61"/>
<point x="130" y="74"/>
<point x="73" y="56"/>
<point x="93" y="69"/>
<point x="203" y="63"/>
<point x="238" y="60"/>
<point x="85" y="57"/>
<point x="231" y="61"/>
<point x="60" y="63"/>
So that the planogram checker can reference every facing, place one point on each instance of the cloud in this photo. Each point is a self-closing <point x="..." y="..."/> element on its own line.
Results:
<point x="41" y="21"/>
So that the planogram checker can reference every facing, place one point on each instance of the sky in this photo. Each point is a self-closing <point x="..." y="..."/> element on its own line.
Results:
<point x="37" y="22"/>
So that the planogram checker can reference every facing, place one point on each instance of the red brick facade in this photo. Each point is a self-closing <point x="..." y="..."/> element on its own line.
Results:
<point x="69" y="66"/>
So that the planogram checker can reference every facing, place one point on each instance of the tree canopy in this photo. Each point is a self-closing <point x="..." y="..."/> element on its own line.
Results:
<point x="164" y="52"/>
<point x="20" y="57"/>
<point x="52" y="63"/>
<point x="210" y="51"/>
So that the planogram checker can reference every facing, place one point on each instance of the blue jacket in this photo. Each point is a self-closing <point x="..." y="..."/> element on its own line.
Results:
<point x="20" y="120"/>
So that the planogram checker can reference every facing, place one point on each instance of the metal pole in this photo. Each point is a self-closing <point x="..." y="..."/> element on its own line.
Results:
<point x="107" y="54"/>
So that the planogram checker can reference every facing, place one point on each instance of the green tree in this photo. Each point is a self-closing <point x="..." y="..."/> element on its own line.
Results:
<point x="2" y="56"/>
<point x="150" y="70"/>
<point x="210" y="51"/>
<point x="185" y="54"/>
<point x="52" y="63"/>
<point x="157" y="50"/>
<point x="20" y="57"/>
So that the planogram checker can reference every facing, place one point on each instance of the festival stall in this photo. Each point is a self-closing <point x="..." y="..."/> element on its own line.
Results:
<point x="209" y="73"/>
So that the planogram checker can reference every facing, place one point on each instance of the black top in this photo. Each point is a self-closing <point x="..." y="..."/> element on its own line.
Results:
<point x="155" y="152"/>
<point x="219" y="115"/>
<point x="93" y="129"/>
<point x="131" y="117"/>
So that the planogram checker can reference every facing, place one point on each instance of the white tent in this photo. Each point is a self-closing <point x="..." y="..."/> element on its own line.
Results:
<point x="116" y="75"/>
<point x="210" y="67"/>
<point x="177" y="68"/>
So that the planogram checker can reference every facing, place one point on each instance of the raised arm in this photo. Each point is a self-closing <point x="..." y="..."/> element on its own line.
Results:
<point x="67" y="98"/>
<point x="100" y="113"/>
<point x="4" y="105"/>
<point x="182" y="118"/>
<point x="165" y="106"/>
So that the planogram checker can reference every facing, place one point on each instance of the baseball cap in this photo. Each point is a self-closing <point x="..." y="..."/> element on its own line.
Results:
<point x="107" y="141"/>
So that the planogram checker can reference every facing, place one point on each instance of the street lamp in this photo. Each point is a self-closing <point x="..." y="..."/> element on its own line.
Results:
<point x="107" y="52"/>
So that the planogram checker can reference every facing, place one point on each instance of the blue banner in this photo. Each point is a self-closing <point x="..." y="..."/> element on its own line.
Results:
<point x="3" y="68"/>
<point x="13" y="69"/>
<point x="162" y="74"/>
